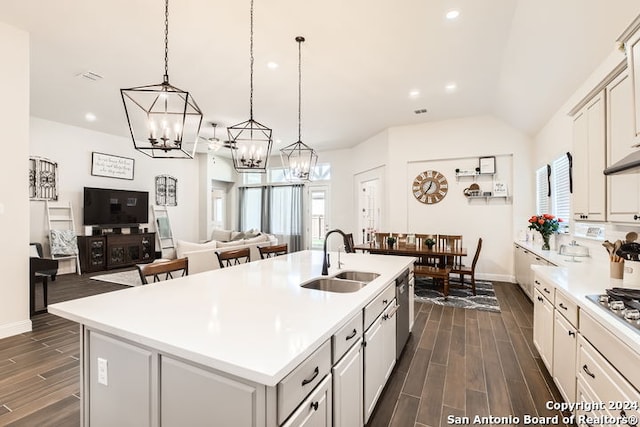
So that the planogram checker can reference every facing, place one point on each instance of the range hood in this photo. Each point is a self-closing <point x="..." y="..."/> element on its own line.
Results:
<point x="629" y="164"/>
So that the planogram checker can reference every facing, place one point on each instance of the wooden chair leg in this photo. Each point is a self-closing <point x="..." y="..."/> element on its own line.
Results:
<point x="446" y="287"/>
<point x="473" y="284"/>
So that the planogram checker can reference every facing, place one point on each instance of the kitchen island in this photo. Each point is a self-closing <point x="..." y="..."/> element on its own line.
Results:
<point x="229" y="344"/>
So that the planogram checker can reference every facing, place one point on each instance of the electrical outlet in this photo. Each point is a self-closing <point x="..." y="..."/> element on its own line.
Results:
<point x="103" y="373"/>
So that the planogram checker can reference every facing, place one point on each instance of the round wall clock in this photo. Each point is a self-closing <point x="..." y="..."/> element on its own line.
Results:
<point x="430" y="187"/>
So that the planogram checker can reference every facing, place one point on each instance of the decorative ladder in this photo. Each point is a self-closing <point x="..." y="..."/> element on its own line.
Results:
<point x="60" y="217"/>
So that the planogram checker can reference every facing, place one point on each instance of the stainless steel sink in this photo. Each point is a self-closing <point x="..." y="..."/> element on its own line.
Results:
<point x="330" y="284"/>
<point x="360" y="276"/>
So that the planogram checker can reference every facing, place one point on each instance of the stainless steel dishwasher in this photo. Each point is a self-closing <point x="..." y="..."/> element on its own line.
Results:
<point x="402" y="315"/>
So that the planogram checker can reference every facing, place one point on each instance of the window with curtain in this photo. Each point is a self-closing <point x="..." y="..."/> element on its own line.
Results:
<point x="250" y="208"/>
<point x="542" y="191"/>
<point x="560" y="190"/>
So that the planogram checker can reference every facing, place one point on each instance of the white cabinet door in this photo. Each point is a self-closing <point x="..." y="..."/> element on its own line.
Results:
<point x="633" y="60"/>
<point x="624" y="189"/>
<point x="543" y="328"/>
<point x="564" y="357"/>
<point x="379" y="357"/>
<point x="347" y="389"/>
<point x="589" y="161"/>
<point x="316" y="409"/>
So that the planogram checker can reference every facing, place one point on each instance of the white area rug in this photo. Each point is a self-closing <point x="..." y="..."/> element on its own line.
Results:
<point x="128" y="278"/>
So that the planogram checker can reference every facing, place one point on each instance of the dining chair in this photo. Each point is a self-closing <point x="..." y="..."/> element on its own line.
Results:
<point x="168" y="268"/>
<point x="348" y="243"/>
<point x="469" y="271"/>
<point x="273" y="251"/>
<point x="234" y="257"/>
<point x="427" y="259"/>
<point x="438" y="274"/>
<point x="450" y="242"/>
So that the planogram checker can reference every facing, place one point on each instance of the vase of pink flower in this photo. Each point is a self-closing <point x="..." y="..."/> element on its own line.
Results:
<point x="546" y="225"/>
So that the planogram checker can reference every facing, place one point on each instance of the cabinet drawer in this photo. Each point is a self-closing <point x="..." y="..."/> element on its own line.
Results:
<point x="567" y="308"/>
<point x="601" y="376"/>
<point x="614" y="350"/>
<point x="316" y="410"/>
<point x="346" y="337"/>
<point x="302" y="380"/>
<point x="375" y="307"/>
<point x="546" y="289"/>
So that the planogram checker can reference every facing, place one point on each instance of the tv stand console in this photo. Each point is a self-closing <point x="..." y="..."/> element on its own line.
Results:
<point x="109" y="251"/>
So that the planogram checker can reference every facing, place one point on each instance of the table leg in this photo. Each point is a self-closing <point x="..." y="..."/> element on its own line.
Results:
<point x="45" y="292"/>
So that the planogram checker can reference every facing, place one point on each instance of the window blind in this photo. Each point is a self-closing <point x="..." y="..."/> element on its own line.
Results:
<point x="560" y="193"/>
<point x="542" y="191"/>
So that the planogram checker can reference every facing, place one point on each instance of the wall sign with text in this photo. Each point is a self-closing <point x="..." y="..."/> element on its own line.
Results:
<point x="111" y="166"/>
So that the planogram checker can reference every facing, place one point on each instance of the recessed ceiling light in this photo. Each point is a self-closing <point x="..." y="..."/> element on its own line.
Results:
<point x="272" y="65"/>
<point x="414" y="94"/>
<point x="90" y="117"/>
<point x="453" y="14"/>
<point x="451" y="87"/>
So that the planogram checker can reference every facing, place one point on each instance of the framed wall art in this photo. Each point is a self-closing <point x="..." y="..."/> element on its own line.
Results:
<point x="166" y="190"/>
<point x="43" y="179"/>
<point x="112" y="166"/>
<point x="487" y="164"/>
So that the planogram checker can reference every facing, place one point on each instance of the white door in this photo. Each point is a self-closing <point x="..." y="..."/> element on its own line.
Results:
<point x="318" y="215"/>
<point x="218" y="207"/>
<point x="369" y="209"/>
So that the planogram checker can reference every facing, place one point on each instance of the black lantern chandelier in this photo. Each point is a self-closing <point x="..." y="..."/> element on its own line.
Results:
<point x="250" y="141"/>
<point x="164" y="121"/>
<point x="298" y="159"/>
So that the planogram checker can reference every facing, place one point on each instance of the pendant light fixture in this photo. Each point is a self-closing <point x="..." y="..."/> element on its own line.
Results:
<point x="164" y="121"/>
<point x="250" y="141"/>
<point x="299" y="159"/>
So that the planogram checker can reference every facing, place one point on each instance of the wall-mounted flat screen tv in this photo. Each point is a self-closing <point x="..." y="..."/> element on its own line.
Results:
<point x="115" y="208"/>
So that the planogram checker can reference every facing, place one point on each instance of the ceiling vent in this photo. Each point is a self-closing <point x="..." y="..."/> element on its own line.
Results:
<point x="90" y="75"/>
<point x="420" y="111"/>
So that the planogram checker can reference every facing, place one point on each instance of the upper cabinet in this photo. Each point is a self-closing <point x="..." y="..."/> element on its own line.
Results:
<point x="631" y="40"/>
<point x="589" y="161"/>
<point x="623" y="190"/>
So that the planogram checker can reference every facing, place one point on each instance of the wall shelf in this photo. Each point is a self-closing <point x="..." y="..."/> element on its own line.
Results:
<point x="487" y="198"/>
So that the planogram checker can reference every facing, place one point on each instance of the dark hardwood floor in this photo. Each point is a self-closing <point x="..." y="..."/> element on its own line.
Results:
<point x="457" y="362"/>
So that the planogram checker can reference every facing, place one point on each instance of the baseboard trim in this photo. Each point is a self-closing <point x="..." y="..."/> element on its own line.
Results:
<point x="16" y="328"/>
<point x="496" y="277"/>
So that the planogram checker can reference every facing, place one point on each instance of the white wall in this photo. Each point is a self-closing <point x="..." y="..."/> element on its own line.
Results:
<point x="446" y="145"/>
<point x="14" y="196"/>
<point x="71" y="148"/>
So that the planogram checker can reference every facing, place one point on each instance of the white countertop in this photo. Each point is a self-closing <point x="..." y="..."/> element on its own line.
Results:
<point x="253" y="320"/>
<point x="576" y="280"/>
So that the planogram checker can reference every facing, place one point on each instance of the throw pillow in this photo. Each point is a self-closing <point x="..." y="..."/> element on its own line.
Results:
<point x="257" y="239"/>
<point x="184" y="246"/>
<point x="33" y="252"/>
<point x="234" y="234"/>
<point x="230" y="244"/>
<point x="221" y="235"/>
<point x="251" y="233"/>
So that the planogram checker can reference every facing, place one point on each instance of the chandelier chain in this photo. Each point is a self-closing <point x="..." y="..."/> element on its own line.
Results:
<point x="300" y="89"/>
<point x="251" y="65"/>
<point x="166" y="40"/>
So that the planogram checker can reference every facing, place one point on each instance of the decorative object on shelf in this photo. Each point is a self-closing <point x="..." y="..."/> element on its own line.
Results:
<point x="430" y="242"/>
<point x="472" y="191"/>
<point x="298" y="159"/>
<point x="166" y="190"/>
<point x="430" y="187"/>
<point x="164" y="120"/>
<point x="411" y="240"/>
<point x="391" y="241"/>
<point x="112" y="166"/>
<point x="500" y="189"/>
<point x="546" y="225"/>
<point x="43" y="179"/>
<point x="487" y="165"/>
<point x="251" y="140"/>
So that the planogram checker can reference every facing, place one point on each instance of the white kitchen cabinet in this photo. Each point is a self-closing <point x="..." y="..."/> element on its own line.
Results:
<point x="631" y="40"/>
<point x="589" y="161"/>
<point x="623" y="190"/>
<point x="348" y="388"/>
<point x="564" y="357"/>
<point x="524" y="259"/>
<point x="543" y="328"/>
<point x="316" y="409"/>
<point x="379" y="356"/>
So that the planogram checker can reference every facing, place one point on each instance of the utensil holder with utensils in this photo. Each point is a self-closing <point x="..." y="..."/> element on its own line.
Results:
<point x="617" y="269"/>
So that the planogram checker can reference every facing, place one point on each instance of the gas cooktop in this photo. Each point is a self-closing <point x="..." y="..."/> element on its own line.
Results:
<point x="623" y="303"/>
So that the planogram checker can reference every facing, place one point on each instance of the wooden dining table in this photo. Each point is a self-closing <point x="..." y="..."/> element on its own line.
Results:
<point x="418" y="250"/>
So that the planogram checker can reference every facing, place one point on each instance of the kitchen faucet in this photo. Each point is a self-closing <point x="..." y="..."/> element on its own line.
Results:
<point x="325" y="258"/>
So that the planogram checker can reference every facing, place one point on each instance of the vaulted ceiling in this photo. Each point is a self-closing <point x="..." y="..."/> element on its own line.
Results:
<point x="366" y="65"/>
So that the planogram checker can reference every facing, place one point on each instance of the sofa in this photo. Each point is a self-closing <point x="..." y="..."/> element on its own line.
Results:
<point x="202" y="256"/>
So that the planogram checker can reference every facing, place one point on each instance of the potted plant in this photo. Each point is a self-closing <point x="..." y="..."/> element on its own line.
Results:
<point x="430" y="242"/>
<point x="391" y="241"/>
